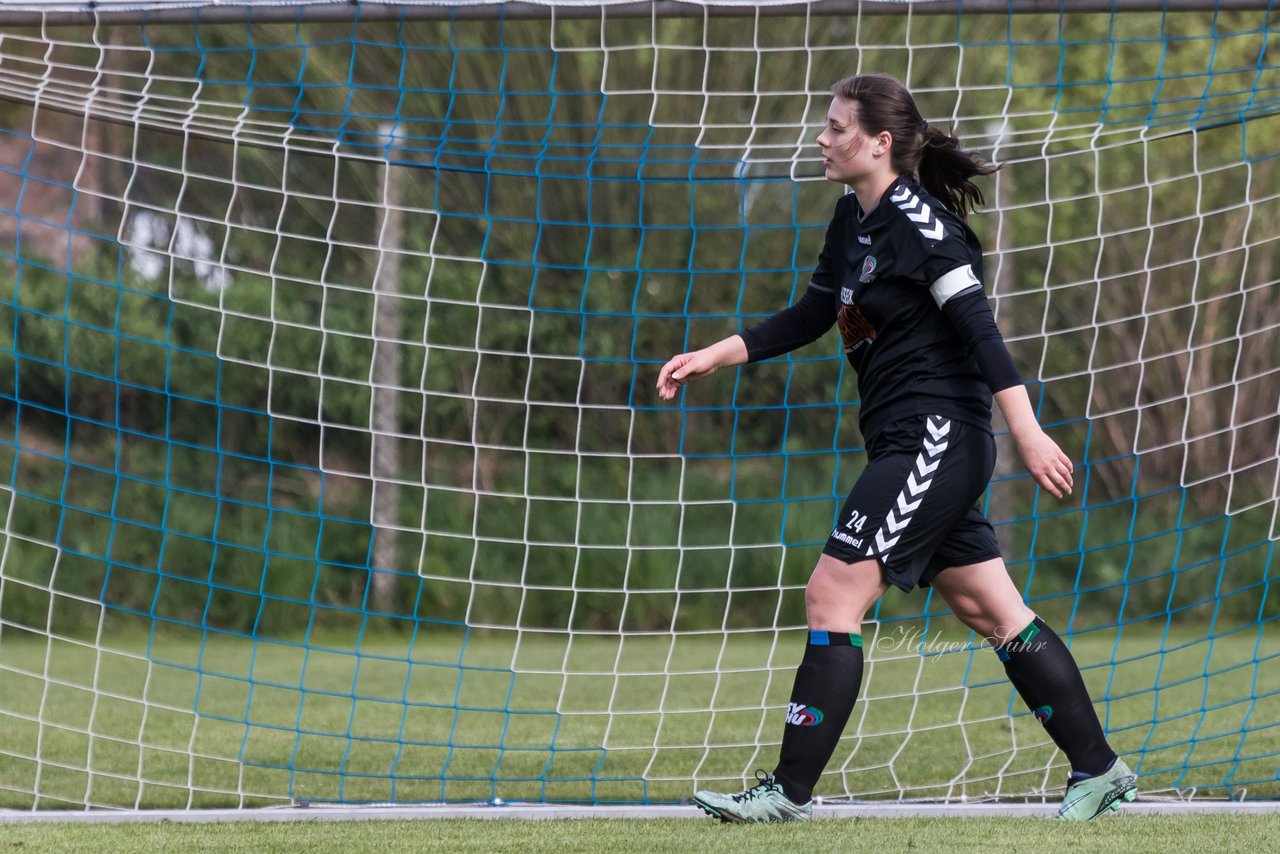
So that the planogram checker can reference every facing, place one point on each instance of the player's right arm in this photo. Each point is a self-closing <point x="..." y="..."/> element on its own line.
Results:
<point x="687" y="367"/>
<point x="793" y="327"/>
<point x="796" y="325"/>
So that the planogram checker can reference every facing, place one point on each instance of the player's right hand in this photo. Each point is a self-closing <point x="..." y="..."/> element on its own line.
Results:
<point x="683" y="369"/>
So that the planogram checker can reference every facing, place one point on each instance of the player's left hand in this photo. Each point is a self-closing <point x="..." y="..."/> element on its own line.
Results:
<point x="1047" y="463"/>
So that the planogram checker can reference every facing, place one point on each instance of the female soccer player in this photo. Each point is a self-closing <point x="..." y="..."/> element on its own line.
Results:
<point x="901" y="275"/>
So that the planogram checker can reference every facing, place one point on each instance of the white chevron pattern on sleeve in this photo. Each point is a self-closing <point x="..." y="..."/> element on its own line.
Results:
<point x="918" y="212"/>
<point x="918" y="483"/>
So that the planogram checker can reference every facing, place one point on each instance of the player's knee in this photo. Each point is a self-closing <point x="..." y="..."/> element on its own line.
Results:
<point x="818" y="594"/>
<point x="995" y="624"/>
<point x="834" y="600"/>
<point x="971" y="611"/>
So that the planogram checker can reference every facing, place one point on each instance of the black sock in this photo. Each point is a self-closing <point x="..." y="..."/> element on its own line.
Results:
<point x="1046" y="677"/>
<point x="825" y="689"/>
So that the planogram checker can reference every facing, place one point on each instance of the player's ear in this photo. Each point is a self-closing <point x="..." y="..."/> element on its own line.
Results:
<point x="884" y="143"/>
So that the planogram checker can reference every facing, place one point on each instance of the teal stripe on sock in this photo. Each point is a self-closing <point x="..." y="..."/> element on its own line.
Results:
<point x="1028" y="634"/>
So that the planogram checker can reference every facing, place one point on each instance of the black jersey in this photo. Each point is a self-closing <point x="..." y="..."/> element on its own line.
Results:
<point x="884" y="278"/>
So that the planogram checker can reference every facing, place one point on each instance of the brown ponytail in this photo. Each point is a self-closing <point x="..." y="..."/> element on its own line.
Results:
<point x="933" y="156"/>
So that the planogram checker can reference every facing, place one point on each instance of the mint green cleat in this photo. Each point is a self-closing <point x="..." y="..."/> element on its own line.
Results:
<point x="1090" y="798"/>
<point x="763" y="802"/>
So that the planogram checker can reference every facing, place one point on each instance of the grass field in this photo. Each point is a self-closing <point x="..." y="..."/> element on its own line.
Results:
<point x="220" y="721"/>
<point x="1218" y="833"/>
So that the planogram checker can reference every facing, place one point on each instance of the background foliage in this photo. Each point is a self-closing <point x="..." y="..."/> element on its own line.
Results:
<point x="195" y="437"/>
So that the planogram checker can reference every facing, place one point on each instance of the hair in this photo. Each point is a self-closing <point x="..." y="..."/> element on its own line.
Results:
<point x="933" y="156"/>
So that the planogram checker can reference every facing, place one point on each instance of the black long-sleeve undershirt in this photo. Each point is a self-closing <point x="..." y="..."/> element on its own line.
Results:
<point x="795" y="326"/>
<point x="970" y="314"/>
<point x="813" y="314"/>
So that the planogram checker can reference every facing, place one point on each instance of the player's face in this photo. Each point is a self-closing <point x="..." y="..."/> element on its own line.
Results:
<point x="848" y="154"/>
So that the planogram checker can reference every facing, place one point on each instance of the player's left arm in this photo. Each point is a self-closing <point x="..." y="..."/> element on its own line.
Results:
<point x="959" y="294"/>
<point x="1040" y="454"/>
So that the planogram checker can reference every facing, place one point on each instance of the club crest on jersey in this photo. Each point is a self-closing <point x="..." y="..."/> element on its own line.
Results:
<point x="868" y="269"/>
<point x="846" y="296"/>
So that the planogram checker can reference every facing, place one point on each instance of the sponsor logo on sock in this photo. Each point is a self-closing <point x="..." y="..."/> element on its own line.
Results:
<point x="799" y="714"/>
<point x="1043" y="714"/>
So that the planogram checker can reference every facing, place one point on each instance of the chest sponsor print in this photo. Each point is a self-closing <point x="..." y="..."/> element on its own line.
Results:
<point x="855" y="329"/>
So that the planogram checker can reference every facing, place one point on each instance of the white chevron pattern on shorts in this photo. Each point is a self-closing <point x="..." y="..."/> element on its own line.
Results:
<point x="919" y="213"/>
<point x="918" y="482"/>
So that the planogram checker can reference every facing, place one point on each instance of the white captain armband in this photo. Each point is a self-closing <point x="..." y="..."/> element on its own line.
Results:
<point x="956" y="282"/>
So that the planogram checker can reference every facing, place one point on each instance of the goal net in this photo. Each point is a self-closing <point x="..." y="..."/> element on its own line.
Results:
<point x="331" y="466"/>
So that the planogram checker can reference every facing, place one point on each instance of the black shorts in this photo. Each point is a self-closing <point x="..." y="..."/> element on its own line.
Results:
<point x="915" y="506"/>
